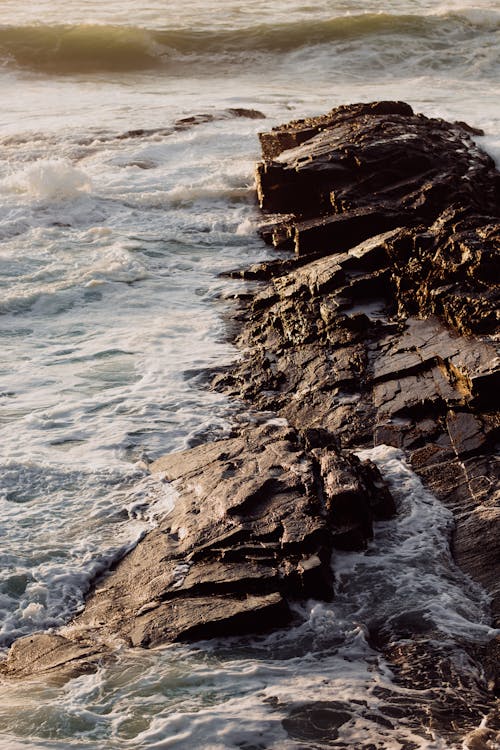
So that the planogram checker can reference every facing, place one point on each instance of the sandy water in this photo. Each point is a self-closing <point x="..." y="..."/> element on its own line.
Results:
<point x="111" y="301"/>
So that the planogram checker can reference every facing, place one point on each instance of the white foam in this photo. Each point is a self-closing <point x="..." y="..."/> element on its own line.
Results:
<point x="247" y="228"/>
<point x="49" y="180"/>
<point x="151" y="500"/>
<point x="488" y="17"/>
<point x="491" y="144"/>
<point x="410" y="568"/>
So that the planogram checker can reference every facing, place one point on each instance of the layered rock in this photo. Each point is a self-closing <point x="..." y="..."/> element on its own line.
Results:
<point x="382" y="328"/>
<point x="253" y="529"/>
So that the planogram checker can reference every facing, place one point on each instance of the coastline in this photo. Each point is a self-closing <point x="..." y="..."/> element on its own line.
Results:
<point x="319" y="329"/>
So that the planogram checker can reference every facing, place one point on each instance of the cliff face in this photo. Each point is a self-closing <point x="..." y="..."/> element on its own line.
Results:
<point x="378" y="329"/>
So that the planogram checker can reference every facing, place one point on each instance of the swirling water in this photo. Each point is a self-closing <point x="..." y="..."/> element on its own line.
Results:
<point x="115" y="223"/>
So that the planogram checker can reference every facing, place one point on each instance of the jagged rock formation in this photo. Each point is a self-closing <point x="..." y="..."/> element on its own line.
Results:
<point x="380" y="329"/>
<point x="365" y="169"/>
<point x="253" y="528"/>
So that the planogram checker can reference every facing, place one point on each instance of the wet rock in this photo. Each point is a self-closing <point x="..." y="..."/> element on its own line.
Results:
<point x="52" y="655"/>
<point x="183" y="123"/>
<point x="481" y="738"/>
<point x="361" y="170"/>
<point x="385" y="336"/>
<point x="253" y="528"/>
<point x="186" y="123"/>
<point x="471" y="488"/>
<point x="316" y="721"/>
<point x="338" y="232"/>
<point x="292" y="134"/>
<point x="251" y="114"/>
<point x="368" y="157"/>
<point x="385" y="333"/>
<point x="350" y="503"/>
<point x="454" y="700"/>
<point x="466" y="433"/>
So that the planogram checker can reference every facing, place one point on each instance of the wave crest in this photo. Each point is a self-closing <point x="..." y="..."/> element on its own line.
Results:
<point x="79" y="48"/>
<point x="49" y="180"/>
<point x="94" y="48"/>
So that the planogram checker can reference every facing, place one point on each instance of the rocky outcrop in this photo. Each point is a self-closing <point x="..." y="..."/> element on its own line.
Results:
<point x="364" y="169"/>
<point x="379" y="329"/>
<point x="382" y="328"/>
<point x="253" y="528"/>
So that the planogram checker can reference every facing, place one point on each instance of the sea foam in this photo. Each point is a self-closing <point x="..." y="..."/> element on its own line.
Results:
<point x="49" y="180"/>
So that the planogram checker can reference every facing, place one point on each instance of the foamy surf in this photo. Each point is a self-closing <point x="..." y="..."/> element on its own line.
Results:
<point x="420" y="576"/>
<point x="49" y="180"/>
<point x="92" y="391"/>
<point x="230" y="695"/>
<point x="47" y="588"/>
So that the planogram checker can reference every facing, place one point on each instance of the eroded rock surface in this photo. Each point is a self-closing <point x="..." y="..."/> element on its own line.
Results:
<point x="382" y="330"/>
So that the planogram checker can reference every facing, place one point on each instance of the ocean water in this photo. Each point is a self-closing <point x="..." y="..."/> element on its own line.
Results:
<point x="127" y="146"/>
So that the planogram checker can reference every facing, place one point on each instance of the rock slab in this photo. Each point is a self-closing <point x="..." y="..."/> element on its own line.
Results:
<point x="253" y="529"/>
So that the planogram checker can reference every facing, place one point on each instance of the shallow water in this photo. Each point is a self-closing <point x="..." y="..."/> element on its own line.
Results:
<point x="111" y="304"/>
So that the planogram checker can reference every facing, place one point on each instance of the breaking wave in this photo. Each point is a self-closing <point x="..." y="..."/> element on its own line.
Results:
<point x="49" y="180"/>
<point x="95" y="48"/>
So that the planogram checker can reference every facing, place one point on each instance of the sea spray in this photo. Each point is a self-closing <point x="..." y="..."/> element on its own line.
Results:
<point x="49" y="180"/>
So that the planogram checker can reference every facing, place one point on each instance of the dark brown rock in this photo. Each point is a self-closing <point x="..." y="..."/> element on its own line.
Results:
<point x="339" y="232"/>
<point x="349" y="329"/>
<point x="364" y="156"/>
<point x="362" y="170"/>
<point x="253" y="527"/>
<point x="294" y="133"/>
<point x="52" y="655"/>
<point x="454" y="702"/>
<point x="386" y="335"/>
